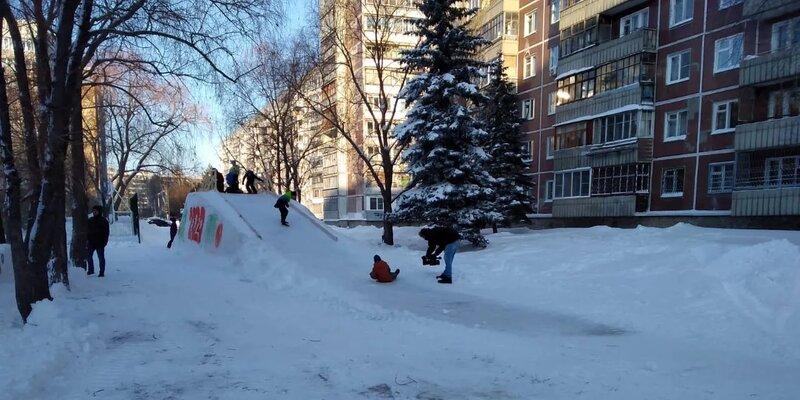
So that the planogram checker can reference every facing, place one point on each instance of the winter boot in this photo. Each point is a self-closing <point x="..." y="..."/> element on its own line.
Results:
<point x="445" y="279"/>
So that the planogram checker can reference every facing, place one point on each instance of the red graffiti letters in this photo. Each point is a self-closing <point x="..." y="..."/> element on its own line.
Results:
<point x="197" y="217"/>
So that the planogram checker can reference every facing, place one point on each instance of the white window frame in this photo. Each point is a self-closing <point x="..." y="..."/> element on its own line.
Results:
<point x="688" y="12"/>
<point x="529" y="66"/>
<point x="723" y="4"/>
<point x="530" y="23"/>
<point x="731" y="42"/>
<point x="640" y="17"/>
<point x="549" y="147"/>
<point x="377" y="200"/>
<point x="679" y="56"/>
<point x="549" y="189"/>
<point x="527" y="109"/>
<point x="551" y="103"/>
<point x="790" y="25"/>
<point x="673" y="193"/>
<point x="723" y="176"/>
<point x="676" y="113"/>
<point x="527" y="148"/>
<point x="727" y="110"/>
<point x="779" y="178"/>
<point x="571" y="173"/>
<point x="555" y="11"/>
<point x="553" y="62"/>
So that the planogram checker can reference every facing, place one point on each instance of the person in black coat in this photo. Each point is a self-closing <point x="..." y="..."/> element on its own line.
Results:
<point x="249" y="181"/>
<point x="441" y="239"/>
<point x="173" y="230"/>
<point x="220" y="181"/>
<point x="97" y="236"/>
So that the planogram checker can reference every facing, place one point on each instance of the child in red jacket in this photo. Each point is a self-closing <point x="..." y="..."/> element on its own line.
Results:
<point x="381" y="271"/>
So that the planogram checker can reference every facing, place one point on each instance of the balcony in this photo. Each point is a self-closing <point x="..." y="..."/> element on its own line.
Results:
<point x="629" y="151"/>
<point x="766" y="202"/>
<point x="769" y="134"/>
<point x="768" y="9"/>
<point x="589" y="8"/>
<point x="608" y="102"/>
<point x="636" y="42"/>
<point x="575" y="157"/>
<point x="770" y="68"/>
<point x="606" y="206"/>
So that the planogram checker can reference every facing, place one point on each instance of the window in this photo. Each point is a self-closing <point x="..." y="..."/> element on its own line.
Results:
<point x="569" y="136"/>
<point x="526" y="150"/>
<point x="672" y="183"/>
<point x="551" y="103"/>
<point x="553" y="59"/>
<point x="502" y="24"/>
<point x="575" y="183"/>
<point x="549" y="148"/>
<point x="621" y="179"/>
<point x="548" y="191"/>
<point x="723" y="4"/>
<point x="676" y="125"/>
<point x="680" y="11"/>
<point x="720" y="177"/>
<point x="375" y="204"/>
<point x="782" y="171"/>
<point x="616" y="127"/>
<point x="679" y="66"/>
<point x="634" y="22"/>
<point x="727" y="53"/>
<point x="555" y="11"/>
<point x="530" y="23"/>
<point x="578" y="36"/>
<point x="529" y="69"/>
<point x="527" y="109"/>
<point x="726" y="114"/>
<point x="783" y="103"/>
<point x="613" y="75"/>
<point x="786" y="34"/>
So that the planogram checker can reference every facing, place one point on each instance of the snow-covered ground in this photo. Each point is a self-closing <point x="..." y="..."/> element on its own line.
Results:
<point x="599" y="313"/>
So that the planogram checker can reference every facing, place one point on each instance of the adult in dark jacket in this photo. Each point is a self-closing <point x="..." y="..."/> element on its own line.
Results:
<point x="442" y="239"/>
<point x="283" y="205"/>
<point x="97" y="236"/>
<point x="249" y="181"/>
<point x="220" y="181"/>
<point x="173" y="230"/>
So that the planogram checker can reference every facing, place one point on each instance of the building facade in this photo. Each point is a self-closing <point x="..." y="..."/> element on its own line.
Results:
<point x="661" y="107"/>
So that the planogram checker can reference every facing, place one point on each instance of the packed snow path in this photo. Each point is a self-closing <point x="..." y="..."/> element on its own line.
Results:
<point x="674" y="313"/>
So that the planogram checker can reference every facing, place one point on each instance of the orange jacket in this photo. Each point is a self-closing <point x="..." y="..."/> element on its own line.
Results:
<point x="381" y="272"/>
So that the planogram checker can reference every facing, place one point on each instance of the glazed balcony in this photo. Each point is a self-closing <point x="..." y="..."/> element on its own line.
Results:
<point x="636" y="42"/>
<point x="628" y="151"/>
<point x="770" y="68"/>
<point x="766" y="201"/>
<point x="768" y="134"/>
<point x="584" y="9"/>
<point x="605" y="206"/>
<point x="605" y="103"/>
<point x="769" y="9"/>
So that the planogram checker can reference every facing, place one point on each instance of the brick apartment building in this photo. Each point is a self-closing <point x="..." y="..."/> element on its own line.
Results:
<point x="650" y="108"/>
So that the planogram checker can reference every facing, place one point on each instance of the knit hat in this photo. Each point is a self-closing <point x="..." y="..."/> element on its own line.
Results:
<point x="376" y="258"/>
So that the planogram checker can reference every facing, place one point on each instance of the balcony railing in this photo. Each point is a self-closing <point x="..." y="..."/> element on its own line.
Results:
<point x="768" y="9"/>
<point x="605" y="102"/>
<point x="635" y="42"/>
<point x="628" y="151"/>
<point x="780" y="201"/>
<point x="605" y="206"/>
<point x="589" y="8"/>
<point x="770" y="67"/>
<point x="769" y="134"/>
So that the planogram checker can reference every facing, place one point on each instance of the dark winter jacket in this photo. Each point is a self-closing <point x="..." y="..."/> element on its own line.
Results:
<point x="250" y="177"/>
<point x="220" y="182"/>
<point x="283" y="201"/>
<point x="97" y="232"/>
<point x="438" y="238"/>
<point x="173" y="229"/>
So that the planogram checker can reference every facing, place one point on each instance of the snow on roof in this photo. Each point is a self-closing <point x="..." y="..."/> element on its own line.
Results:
<point x="573" y="72"/>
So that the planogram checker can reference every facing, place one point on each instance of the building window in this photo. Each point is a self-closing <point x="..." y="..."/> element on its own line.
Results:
<point x="613" y="75"/>
<point x="502" y="24"/>
<point x="530" y="23"/>
<point x="578" y="36"/>
<point x="720" y="177"/>
<point x="782" y="171"/>
<point x="727" y="53"/>
<point x="679" y="66"/>
<point x="548" y="191"/>
<point x="680" y="11"/>
<point x="575" y="183"/>
<point x="549" y="148"/>
<point x="527" y="109"/>
<point x="553" y="59"/>
<point x="569" y="136"/>
<point x="621" y="179"/>
<point x="783" y="103"/>
<point x="551" y="103"/>
<point x="726" y="114"/>
<point x="526" y="150"/>
<point x="785" y="34"/>
<point x="634" y="22"/>
<point x="616" y="127"/>
<point x="676" y="125"/>
<point x="529" y="69"/>
<point x="672" y="183"/>
<point x="723" y="4"/>
<point x="555" y="11"/>
<point x="375" y="204"/>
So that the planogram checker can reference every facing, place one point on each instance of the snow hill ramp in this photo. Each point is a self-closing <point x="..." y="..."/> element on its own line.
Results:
<point x="223" y="223"/>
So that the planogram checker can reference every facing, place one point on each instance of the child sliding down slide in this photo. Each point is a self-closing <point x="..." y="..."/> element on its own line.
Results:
<point x="381" y="271"/>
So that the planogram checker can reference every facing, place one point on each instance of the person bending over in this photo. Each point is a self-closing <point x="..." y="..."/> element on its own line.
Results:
<point x="441" y="239"/>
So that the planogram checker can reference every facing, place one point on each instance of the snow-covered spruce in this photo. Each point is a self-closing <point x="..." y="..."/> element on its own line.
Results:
<point x="445" y="157"/>
<point x="500" y="116"/>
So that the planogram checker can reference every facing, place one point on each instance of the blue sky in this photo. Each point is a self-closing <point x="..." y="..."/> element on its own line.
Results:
<point x="208" y="138"/>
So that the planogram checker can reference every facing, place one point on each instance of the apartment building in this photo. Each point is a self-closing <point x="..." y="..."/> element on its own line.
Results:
<point x="497" y="21"/>
<point x="662" y="107"/>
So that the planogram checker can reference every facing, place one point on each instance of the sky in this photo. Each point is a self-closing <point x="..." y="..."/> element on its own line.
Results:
<point x="208" y="138"/>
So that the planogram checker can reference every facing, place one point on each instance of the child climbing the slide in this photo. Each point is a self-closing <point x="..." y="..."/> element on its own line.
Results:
<point x="381" y="271"/>
<point x="283" y="205"/>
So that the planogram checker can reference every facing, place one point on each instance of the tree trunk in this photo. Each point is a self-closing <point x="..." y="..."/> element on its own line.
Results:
<point x="386" y="193"/>
<point x="79" y="209"/>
